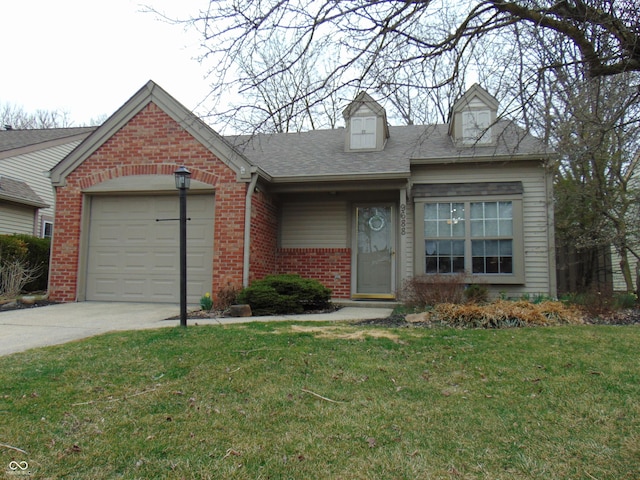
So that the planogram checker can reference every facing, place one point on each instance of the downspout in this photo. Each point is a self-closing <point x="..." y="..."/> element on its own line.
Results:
<point x="247" y="229"/>
<point x="551" y="231"/>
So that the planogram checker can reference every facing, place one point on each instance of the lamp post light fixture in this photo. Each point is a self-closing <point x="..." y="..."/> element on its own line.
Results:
<point x="183" y="182"/>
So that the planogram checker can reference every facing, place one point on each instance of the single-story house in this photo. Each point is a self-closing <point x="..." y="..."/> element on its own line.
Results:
<point x="27" y="202"/>
<point x="361" y="208"/>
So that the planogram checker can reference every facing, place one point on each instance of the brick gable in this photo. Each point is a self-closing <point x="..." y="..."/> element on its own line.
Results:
<point x="150" y="143"/>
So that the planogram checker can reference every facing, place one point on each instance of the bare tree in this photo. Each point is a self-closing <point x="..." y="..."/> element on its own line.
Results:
<point x="593" y="123"/>
<point x="12" y="116"/>
<point x="567" y="70"/>
<point x="286" y="103"/>
<point x="387" y="46"/>
<point x="598" y="135"/>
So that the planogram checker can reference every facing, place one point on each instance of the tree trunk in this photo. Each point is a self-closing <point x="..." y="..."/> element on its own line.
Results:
<point x="626" y="270"/>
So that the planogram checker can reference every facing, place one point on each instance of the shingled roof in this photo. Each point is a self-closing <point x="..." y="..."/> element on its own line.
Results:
<point x="14" y="139"/>
<point x="17" y="191"/>
<point x="321" y="153"/>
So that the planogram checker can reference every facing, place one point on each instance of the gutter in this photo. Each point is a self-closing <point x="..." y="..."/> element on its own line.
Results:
<point x="23" y="201"/>
<point x="484" y="159"/>
<point x="247" y="227"/>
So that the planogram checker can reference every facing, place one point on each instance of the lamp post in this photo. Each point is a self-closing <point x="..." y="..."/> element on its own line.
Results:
<point x="183" y="182"/>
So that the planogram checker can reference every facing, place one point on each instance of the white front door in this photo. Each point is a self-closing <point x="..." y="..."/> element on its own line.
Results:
<point x="374" y="252"/>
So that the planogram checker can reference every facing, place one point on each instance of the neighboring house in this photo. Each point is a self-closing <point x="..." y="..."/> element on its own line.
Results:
<point x="360" y="208"/>
<point x="26" y="195"/>
<point x="19" y="207"/>
<point x="633" y="224"/>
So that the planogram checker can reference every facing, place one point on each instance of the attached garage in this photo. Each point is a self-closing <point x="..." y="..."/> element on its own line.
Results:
<point x="132" y="247"/>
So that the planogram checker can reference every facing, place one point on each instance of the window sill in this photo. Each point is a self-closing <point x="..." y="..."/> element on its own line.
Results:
<point x="496" y="279"/>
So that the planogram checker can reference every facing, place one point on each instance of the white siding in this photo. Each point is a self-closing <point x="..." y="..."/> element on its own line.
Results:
<point x="537" y="249"/>
<point x="32" y="168"/>
<point x="314" y="225"/>
<point x="16" y="219"/>
<point x="619" y="285"/>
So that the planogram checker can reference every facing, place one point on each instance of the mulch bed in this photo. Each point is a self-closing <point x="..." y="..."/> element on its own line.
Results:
<point x="9" y="306"/>
<point x="620" y="317"/>
<point x="204" y="314"/>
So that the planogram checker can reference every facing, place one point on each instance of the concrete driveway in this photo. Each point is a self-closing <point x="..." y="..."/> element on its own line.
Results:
<point x="55" y="324"/>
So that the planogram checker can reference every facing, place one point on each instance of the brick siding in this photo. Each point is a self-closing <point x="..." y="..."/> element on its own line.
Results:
<point x="331" y="266"/>
<point x="264" y="236"/>
<point x="151" y="143"/>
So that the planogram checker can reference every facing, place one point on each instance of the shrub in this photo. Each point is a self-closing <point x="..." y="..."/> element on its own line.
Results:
<point x="285" y="294"/>
<point x="38" y="252"/>
<point x="625" y="300"/>
<point x="475" y="293"/>
<point x="24" y="264"/>
<point x="265" y="300"/>
<point x="429" y="290"/>
<point x="12" y="247"/>
<point x="14" y="275"/>
<point x="227" y="296"/>
<point x="503" y="314"/>
<point x="596" y="302"/>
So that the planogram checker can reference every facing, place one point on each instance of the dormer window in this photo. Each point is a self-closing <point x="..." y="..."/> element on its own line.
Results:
<point x="363" y="132"/>
<point x="472" y="118"/>
<point x="366" y="125"/>
<point x="476" y="127"/>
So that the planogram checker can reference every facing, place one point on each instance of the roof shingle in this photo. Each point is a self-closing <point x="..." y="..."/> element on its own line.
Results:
<point x="19" y="192"/>
<point x="12" y="139"/>
<point x="322" y="152"/>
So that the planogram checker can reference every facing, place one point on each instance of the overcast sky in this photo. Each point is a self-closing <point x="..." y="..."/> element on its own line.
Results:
<point x="89" y="57"/>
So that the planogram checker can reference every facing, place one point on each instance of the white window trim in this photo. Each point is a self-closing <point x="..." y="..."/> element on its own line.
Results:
<point x="43" y="228"/>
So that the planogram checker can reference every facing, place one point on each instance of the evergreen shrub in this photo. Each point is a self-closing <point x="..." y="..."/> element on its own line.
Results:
<point x="24" y="263"/>
<point x="285" y="294"/>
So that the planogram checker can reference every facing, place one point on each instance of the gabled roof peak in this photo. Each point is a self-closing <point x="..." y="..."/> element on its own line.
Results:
<point x="363" y="98"/>
<point x="473" y="92"/>
<point x="153" y="93"/>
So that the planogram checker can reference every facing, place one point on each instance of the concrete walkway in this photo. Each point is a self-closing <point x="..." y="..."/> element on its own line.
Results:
<point x="24" y="329"/>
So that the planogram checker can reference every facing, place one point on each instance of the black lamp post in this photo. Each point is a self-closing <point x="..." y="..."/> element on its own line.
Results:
<point x="183" y="182"/>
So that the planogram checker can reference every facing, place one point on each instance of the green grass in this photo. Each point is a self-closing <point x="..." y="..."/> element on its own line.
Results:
<point x="279" y="401"/>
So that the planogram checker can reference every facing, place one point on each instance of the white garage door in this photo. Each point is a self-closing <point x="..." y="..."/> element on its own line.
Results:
<point x="133" y="257"/>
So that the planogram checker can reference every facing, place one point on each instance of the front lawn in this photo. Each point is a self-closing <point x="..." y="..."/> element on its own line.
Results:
<point x="326" y="401"/>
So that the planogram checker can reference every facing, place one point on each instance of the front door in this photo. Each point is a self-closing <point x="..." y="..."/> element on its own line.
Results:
<point x="374" y="252"/>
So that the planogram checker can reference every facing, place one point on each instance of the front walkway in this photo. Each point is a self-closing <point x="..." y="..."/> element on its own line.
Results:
<point x="56" y="324"/>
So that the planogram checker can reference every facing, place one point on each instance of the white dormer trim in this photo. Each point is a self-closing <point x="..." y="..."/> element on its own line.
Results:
<point x="366" y="125"/>
<point x="472" y="118"/>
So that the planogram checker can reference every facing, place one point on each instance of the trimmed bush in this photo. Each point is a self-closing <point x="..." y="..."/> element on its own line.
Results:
<point x="38" y="252"/>
<point x="285" y="294"/>
<point x="28" y="254"/>
<point x="12" y="247"/>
